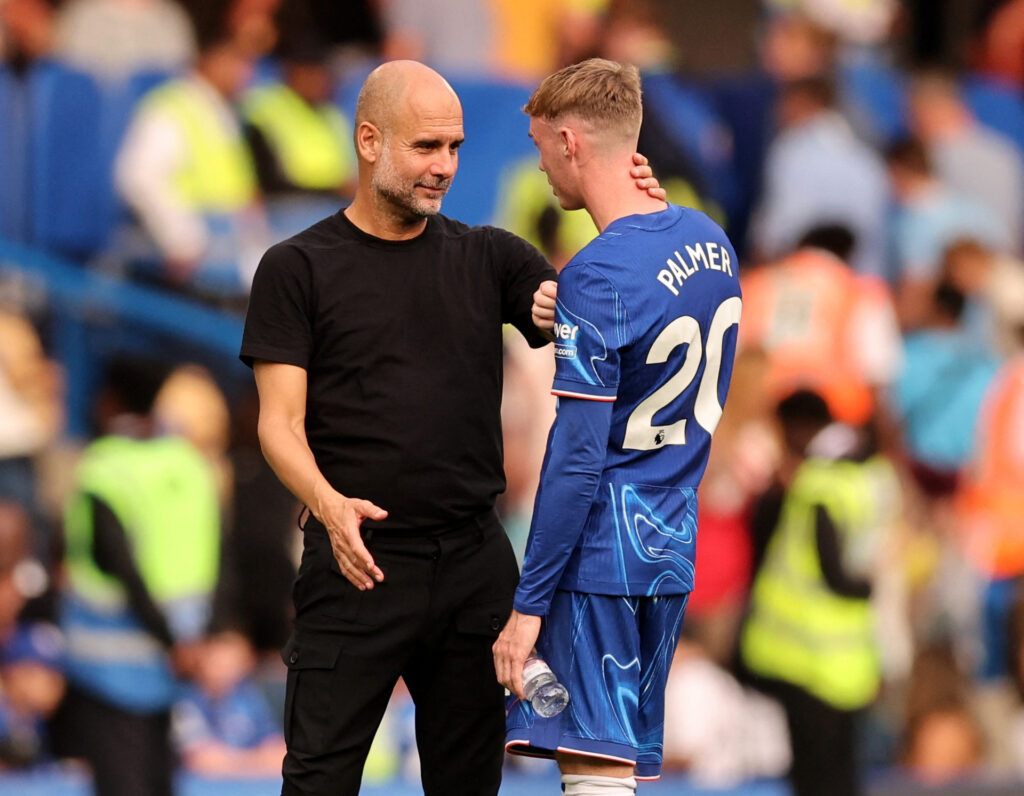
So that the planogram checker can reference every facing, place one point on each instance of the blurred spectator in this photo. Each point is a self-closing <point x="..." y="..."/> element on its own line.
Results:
<point x="353" y="28"/>
<point x="31" y="687"/>
<point x="142" y="533"/>
<point x="185" y="171"/>
<point x="222" y="722"/>
<point x="527" y="207"/>
<point x="744" y="457"/>
<point x="939" y="392"/>
<point x="943" y="741"/>
<point x="818" y="172"/>
<point x="26" y="31"/>
<point x="301" y="143"/>
<point x="251" y="24"/>
<point x="741" y="736"/>
<point x="263" y="542"/>
<point x="994" y="286"/>
<point x="1000" y="46"/>
<point x="861" y="22"/>
<point x="31" y="410"/>
<point x="535" y="37"/>
<point x="425" y="32"/>
<point x="808" y="639"/>
<point x="990" y="504"/>
<point x="794" y="47"/>
<point x="513" y="40"/>
<point x="929" y="216"/>
<point x="116" y="39"/>
<point x="968" y="157"/>
<point x="31" y="681"/>
<point x="823" y="326"/>
<point x="711" y="39"/>
<point x="189" y="404"/>
<point x="580" y="28"/>
<point x="1015" y="650"/>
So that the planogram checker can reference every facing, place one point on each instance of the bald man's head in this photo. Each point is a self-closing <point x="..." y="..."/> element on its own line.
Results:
<point x="408" y="131"/>
<point x="393" y="87"/>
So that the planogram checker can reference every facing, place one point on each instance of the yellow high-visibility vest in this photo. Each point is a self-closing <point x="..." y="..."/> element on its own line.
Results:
<point x="312" y="143"/>
<point x="798" y="630"/>
<point x="218" y="176"/>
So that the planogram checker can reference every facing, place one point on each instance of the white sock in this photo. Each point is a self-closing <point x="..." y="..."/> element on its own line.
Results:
<point x="593" y="785"/>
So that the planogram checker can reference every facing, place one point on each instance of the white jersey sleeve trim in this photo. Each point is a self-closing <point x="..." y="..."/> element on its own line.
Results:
<point x="586" y="396"/>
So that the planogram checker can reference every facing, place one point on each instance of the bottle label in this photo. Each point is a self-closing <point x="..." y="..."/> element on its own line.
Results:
<point x="534" y="667"/>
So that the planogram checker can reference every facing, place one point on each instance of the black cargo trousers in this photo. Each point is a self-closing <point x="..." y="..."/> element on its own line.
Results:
<point x="446" y="594"/>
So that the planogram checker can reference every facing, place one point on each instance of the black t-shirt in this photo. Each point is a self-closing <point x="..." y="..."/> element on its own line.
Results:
<point x="401" y="341"/>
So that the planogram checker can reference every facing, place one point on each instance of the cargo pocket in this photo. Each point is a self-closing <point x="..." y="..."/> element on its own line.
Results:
<point x="485" y="619"/>
<point x="310" y="694"/>
<point x="477" y="627"/>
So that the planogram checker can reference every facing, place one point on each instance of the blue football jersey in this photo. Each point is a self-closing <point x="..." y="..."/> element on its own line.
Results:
<point x="646" y="319"/>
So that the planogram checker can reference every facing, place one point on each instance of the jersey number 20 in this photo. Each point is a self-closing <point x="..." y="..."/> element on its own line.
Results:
<point x="641" y="433"/>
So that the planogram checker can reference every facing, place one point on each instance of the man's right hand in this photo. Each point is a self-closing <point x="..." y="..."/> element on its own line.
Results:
<point x="544" y="306"/>
<point x="343" y="517"/>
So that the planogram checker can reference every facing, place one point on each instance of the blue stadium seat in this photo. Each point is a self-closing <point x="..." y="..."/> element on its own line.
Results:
<point x="77" y="125"/>
<point x="876" y="96"/>
<point x="996" y="105"/>
<point x="69" y="185"/>
<point x="496" y="137"/>
<point x="13" y="157"/>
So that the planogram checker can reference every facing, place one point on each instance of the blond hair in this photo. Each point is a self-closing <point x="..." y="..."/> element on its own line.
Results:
<point x="599" y="91"/>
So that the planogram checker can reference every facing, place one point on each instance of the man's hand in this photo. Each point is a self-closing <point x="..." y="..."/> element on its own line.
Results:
<point x="512" y="648"/>
<point x="544" y="307"/>
<point x="343" y="517"/>
<point x="645" y="179"/>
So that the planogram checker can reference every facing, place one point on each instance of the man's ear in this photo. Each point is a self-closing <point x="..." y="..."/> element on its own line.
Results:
<point x="570" y="141"/>
<point x="369" y="141"/>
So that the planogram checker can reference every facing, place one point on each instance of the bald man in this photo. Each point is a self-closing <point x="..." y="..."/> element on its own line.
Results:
<point x="376" y="338"/>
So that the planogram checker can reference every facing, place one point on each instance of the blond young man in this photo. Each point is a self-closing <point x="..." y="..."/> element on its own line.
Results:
<point x="645" y="332"/>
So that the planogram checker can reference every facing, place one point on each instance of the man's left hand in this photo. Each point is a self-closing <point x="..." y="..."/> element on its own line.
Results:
<point x="543" y="311"/>
<point x="645" y="179"/>
<point x="512" y="648"/>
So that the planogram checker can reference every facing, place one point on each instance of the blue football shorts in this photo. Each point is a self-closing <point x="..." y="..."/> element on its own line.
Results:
<point x="613" y="655"/>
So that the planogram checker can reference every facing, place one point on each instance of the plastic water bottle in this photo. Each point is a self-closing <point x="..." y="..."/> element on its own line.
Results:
<point x="542" y="689"/>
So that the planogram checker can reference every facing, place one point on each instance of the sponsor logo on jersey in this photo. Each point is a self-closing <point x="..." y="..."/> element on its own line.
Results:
<point x="565" y="340"/>
<point x="565" y="331"/>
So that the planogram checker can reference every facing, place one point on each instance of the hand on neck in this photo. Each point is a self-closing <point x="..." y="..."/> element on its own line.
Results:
<point x="611" y="193"/>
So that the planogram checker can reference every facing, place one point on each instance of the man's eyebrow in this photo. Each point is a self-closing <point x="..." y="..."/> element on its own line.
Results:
<point x="433" y="143"/>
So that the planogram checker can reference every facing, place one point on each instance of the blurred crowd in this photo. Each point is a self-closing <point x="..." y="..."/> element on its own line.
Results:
<point x="866" y="158"/>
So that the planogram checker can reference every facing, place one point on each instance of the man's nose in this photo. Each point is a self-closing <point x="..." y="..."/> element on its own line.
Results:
<point x="445" y="164"/>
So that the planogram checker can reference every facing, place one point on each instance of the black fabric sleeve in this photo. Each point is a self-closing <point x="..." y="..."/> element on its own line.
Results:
<point x="269" y="173"/>
<point x="763" y="519"/>
<point x="112" y="554"/>
<point x="278" y="323"/>
<point x="523" y="268"/>
<point x="830" y="555"/>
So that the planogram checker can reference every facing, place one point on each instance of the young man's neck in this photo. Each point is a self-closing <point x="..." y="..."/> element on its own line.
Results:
<point x="610" y="193"/>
